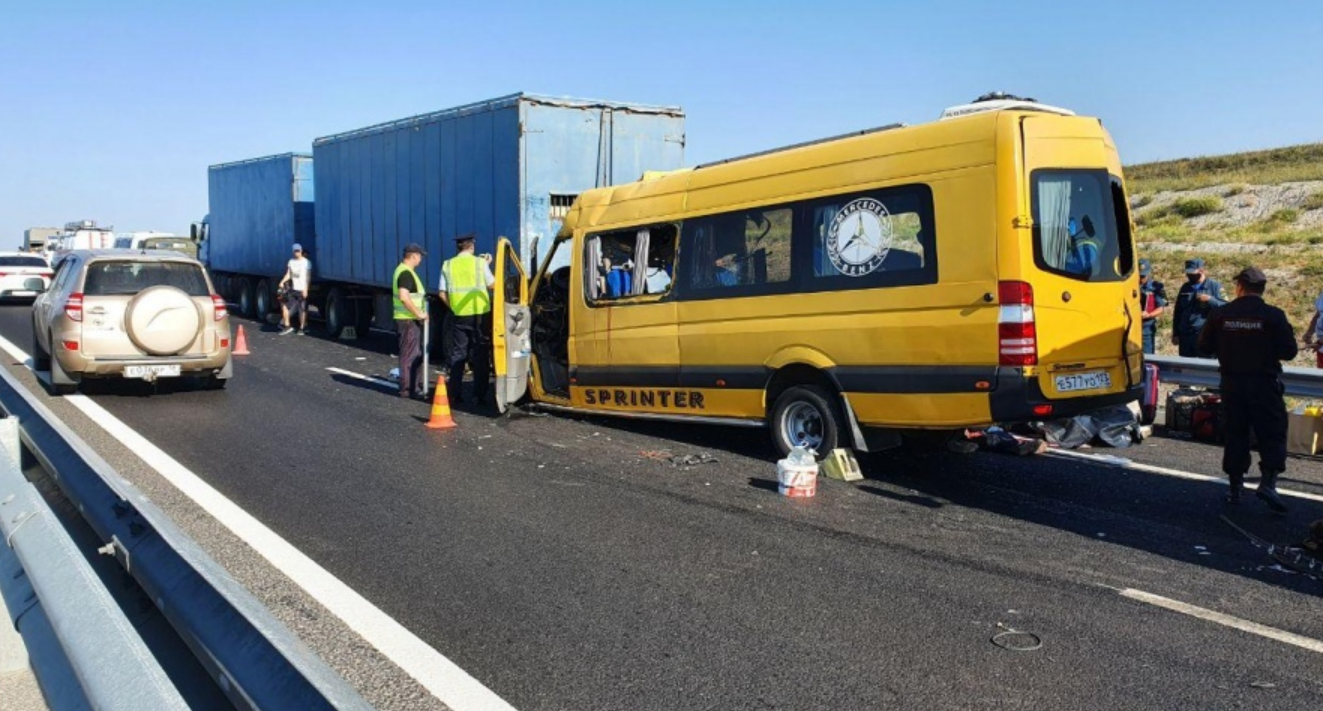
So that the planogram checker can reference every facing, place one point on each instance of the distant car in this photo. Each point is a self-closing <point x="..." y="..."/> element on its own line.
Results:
<point x="23" y="275"/>
<point x="129" y="314"/>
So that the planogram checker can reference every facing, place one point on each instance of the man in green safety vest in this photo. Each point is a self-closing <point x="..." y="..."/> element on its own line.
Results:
<point x="466" y="282"/>
<point x="410" y="302"/>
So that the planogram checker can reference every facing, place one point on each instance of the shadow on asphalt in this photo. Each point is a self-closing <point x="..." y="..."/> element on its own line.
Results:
<point x="1161" y="515"/>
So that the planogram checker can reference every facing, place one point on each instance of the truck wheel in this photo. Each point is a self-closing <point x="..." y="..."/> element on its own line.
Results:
<point x="362" y="317"/>
<point x="245" y="298"/>
<point x="263" y="299"/>
<point x="337" y="312"/>
<point x="806" y="416"/>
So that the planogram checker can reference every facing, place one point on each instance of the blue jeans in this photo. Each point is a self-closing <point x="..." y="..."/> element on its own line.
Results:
<point x="1150" y="341"/>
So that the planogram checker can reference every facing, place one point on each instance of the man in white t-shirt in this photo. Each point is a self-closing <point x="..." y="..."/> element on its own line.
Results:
<point x="1314" y="332"/>
<point x="297" y="274"/>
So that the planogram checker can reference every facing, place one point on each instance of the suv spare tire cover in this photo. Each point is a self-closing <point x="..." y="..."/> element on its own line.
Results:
<point x="163" y="320"/>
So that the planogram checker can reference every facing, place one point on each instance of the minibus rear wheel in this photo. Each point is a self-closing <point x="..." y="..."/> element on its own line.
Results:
<point x="806" y="416"/>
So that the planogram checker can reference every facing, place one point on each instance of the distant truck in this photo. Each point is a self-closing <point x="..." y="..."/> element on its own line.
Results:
<point x="508" y="167"/>
<point x="151" y="240"/>
<point x="83" y="234"/>
<point x="35" y="238"/>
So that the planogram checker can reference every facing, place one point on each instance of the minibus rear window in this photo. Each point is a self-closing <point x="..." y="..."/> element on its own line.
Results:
<point x="1075" y="229"/>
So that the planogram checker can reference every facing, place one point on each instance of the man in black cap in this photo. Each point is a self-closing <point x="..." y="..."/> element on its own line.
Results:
<point x="1251" y="339"/>
<point x="1195" y="302"/>
<point x="409" y="302"/>
<point x="466" y="282"/>
<point x="1153" y="302"/>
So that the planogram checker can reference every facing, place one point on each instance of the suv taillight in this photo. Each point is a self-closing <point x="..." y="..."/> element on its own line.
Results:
<point x="218" y="305"/>
<point x="73" y="308"/>
<point x="1016" y="331"/>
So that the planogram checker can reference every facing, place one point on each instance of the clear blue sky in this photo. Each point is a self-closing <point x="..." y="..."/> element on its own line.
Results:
<point x="114" y="110"/>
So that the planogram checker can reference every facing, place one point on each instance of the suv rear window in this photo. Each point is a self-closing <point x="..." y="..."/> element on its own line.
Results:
<point x="128" y="278"/>
<point x="20" y="261"/>
<point x="1081" y="227"/>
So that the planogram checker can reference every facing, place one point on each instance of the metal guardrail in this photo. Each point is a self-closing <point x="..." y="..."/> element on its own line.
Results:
<point x="83" y="647"/>
<point x="1299" y="382"/>
<point x="254" y="659"/>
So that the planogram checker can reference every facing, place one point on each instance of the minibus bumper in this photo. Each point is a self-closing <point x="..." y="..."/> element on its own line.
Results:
<point x="1020" y="399"/>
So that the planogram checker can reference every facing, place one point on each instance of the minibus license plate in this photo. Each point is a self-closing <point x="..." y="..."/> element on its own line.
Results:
<point x="151" y="371"/>
<point x="1076" y="382"/>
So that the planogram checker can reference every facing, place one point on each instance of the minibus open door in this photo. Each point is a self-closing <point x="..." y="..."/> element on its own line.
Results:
<point x="510" y="327"/>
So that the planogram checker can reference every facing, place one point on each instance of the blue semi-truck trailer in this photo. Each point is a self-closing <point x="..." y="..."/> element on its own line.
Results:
<point x="258" y="209"/>
<point x="509" y="167"/>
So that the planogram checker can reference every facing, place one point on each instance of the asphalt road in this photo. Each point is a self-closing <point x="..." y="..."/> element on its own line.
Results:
<point x="566" y="564"/>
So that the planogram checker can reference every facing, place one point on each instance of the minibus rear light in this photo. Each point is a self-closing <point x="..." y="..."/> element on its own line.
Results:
<point x="1016" y="330"/>
<point x="1042" y="410"/>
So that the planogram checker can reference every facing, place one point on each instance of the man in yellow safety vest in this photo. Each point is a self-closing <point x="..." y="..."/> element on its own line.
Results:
<point x="410" y="302"/>
<point x="466" y="282"/>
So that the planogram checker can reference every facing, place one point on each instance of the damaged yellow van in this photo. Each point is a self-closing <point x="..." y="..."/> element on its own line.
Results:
<point x="979" y="269"/>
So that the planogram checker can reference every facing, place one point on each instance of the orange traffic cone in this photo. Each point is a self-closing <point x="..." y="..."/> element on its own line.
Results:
<point x="240" y="343"/>
<point x="441" y="419"/>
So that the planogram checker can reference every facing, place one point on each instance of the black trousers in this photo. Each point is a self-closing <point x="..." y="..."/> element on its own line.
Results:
<point x="1254" y="402"/>
<point x="470" y="342"/>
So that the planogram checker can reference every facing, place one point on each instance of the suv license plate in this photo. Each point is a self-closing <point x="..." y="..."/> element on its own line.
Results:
<point x="1077" y="382"/>
<point x="151" y="371"/>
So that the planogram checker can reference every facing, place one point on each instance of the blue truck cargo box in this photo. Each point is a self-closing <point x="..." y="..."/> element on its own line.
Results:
<point x="258" y="209"/>
<point x="507" y="167"/>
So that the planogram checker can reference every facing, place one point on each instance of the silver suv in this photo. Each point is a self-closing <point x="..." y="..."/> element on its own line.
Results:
<point x="113" y="313"/>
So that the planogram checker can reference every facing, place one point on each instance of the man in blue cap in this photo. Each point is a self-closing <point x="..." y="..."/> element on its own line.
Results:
<point x="1153" y="302"/>
<point x="1198" y="297"/>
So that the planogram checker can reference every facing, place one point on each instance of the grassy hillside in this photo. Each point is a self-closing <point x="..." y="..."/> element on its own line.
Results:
<point x="1271" y="167"/>
<point x="1263" y="208"/>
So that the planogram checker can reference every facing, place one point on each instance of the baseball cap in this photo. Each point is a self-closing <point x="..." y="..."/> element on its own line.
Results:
<point x="1192" y="266"/>
<point x="415" y="248"/>
<point x="467" y="237"/>
<point x="1145" y="267"/>
<point x="298" y="247"/>
<point x="1252" y="275"/>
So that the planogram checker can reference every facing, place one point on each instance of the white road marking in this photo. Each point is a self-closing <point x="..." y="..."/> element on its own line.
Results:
<point x="1272" y="633"/>
<point x="440" y="676"/>
<point x="366" y="378"/>
<point x="1123" y="463"/>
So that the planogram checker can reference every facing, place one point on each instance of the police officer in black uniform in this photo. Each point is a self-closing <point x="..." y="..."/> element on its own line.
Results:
<point x="1251" y="339"/>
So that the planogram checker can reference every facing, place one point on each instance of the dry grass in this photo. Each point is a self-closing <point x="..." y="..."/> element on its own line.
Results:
<point x="1271" y="167"/>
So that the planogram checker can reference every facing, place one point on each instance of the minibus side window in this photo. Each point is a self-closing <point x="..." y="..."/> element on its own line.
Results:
<point x="874" y="239"/>
<point x="1075" y="226"/>
<point x="749" y="248"/>
<point x="639" y="261"/>
<point x="1125" y="241"/>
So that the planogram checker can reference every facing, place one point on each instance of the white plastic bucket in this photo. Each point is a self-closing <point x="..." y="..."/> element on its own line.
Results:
<point x="797" y="479"/>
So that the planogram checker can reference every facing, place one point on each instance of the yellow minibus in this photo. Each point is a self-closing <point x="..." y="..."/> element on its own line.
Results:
<point x="979" y="269"/>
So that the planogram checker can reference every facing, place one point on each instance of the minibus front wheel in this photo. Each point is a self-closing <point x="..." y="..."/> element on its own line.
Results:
<point x="806" y="416"/>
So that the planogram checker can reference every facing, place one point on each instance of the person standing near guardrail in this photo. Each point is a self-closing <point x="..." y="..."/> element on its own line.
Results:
<point x="1251" y="339"/>
<point x="1195" y="302"/>
<point x="1314" y="332"/>
<point x="1153" y="302"/>
<point x="466" y="283"/>
<point x="410" y="309"/>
